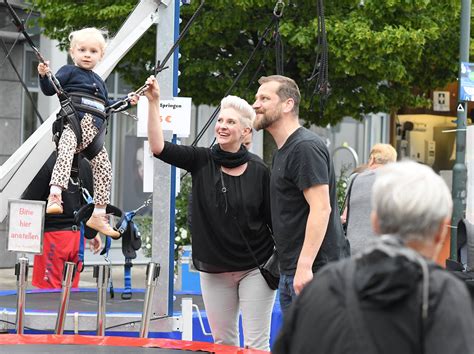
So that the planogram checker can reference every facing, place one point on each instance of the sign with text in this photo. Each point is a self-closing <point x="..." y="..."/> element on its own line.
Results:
<point x="175" y="116"/>
<point x="441" y="101"/>
<point x="466" y="93"/>
<point x="470" y="174"/>
<point x="25" y="226"/>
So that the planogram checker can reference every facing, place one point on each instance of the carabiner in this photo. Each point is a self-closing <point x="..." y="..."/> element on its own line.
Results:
<point x="278" y="9"/>
<point x="86" y="195"/>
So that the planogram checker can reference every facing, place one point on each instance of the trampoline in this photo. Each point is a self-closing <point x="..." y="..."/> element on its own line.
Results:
<point x="78" y="344"/>
<point x="123" y="319"/>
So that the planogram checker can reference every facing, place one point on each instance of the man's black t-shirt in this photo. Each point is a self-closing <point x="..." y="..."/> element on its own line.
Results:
<point x="302" y="162"/>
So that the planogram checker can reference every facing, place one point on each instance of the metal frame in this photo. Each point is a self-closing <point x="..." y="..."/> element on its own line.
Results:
<point x="22" y="166"/>
<point x="82" y="322"/>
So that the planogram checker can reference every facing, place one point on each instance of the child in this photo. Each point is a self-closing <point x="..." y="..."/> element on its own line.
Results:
<point x="86" y="50"/>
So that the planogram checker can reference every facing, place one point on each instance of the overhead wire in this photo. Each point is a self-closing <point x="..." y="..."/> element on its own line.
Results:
<point x="277" y="13"/>
<point x="320" y="70"/>
<point x="23" y="84"/>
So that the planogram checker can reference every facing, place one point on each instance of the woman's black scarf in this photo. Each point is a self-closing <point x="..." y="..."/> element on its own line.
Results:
<point x="229" y="159"/>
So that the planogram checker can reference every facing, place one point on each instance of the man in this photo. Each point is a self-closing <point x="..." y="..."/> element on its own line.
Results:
<point x="358" y="200"/>
<point x="306" y="224"/>
<point x="61" y="235"/>
<point x="392" y="298"/>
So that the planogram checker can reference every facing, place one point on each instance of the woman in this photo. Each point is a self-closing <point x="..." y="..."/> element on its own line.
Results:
<point x="230" y="202"/>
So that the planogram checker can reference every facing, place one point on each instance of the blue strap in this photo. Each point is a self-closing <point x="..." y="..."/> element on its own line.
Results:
<point x="88" y="198"/>
<point x="127" y="276"/>
<point x="81" y="243"/>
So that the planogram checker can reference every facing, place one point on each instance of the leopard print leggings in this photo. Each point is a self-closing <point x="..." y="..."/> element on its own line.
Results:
<point x="101" y="167"/>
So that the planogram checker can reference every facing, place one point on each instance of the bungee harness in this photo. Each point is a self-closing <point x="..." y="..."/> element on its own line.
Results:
<point x="71" y="102"/>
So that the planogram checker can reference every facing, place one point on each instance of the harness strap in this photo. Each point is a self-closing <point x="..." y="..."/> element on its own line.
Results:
<point x="69" y="114"/>
<point x="127" y="279"/>
<point x="96" y="144"/>
<point x="84" y="102"/>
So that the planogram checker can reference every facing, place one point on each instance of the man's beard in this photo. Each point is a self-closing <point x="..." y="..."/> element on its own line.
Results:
<point x="265" y="120"/>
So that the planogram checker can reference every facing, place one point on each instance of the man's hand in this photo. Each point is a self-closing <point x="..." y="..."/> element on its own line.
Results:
<point x="303" y="276"/>
<point x="95" y="244"/>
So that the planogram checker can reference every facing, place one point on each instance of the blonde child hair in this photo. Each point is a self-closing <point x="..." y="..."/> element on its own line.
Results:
<point x="88" y="34"/>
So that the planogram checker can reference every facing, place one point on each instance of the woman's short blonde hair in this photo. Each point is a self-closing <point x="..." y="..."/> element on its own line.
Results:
<point x="242" y="107"/>
<point x="86" y="34"/>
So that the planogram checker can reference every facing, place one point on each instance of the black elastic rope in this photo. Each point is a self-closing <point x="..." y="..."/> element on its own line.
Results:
<point x="236" y="80"/>
<point x="320" y="70"/>
<point x="21" y="28"/>
<point x="279" y="50"/>
<point x="10" y="51"/>
<point x="33" y="103"/>
<point x="160" y="65"/>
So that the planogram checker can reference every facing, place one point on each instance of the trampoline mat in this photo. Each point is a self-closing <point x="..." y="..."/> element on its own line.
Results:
<point x="86" y="302"/>
<point x="81" y="349"/>
<point x="36" y="344"/>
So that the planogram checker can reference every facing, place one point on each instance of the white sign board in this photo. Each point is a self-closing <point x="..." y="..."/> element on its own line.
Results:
<point x="175" y="116"/>
<point x="148" y="168"/>
<point x="470" y="174"/>
<point x="441" y="101"/>
<point x="25" y="226"/>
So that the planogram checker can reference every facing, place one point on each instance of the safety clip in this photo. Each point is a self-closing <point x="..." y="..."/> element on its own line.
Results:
<point x="278" y="9"/>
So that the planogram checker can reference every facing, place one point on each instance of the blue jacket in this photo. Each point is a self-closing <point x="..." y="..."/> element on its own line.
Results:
<point x="75" y="79"/>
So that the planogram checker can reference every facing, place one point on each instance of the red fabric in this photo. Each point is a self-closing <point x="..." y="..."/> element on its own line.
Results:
<point x="124" y="341"/>
<point x="58" y="247"/>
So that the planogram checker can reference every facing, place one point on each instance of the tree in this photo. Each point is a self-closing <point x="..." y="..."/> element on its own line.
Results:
<point x="383" y="55"/>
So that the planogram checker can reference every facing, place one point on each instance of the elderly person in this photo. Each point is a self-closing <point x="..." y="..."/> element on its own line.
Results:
<point x="392" y="298"/>
<point x="231" y="206"/>
<point x="358" y="207"/>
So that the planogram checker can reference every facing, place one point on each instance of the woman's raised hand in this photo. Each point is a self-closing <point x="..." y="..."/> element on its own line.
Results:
<point x="153" y="90"/>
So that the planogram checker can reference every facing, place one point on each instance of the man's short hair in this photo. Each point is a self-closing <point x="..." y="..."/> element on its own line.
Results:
<point x="410" y="200"/>
<point x="382" y="154"/>
<point x="287" y="89"/>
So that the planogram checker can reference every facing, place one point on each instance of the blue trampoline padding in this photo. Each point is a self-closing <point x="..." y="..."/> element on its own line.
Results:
<point x="135" y="290"/>
<point x="198" y="334"/>
<point x="56" y="343"/>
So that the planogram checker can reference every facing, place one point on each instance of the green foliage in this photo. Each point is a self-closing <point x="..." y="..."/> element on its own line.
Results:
<point x="383" y="55"/>
<point x="144" y="224"/>
<point x="341" y="187"/>
<point x="182" y="232"/>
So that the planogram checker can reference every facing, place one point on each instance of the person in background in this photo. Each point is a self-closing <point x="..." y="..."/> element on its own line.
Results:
<point x="306" y="222"/>
<point x="230" y="208"/>
<point x="391" y="298"/>
<point x="62" y="239"/>
<point x="247" y="142"/>
<point x="358" y="200"/>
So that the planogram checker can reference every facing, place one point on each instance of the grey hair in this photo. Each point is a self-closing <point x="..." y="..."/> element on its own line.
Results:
<point x="242" y="107"/>
<point x="410" y="200"/>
